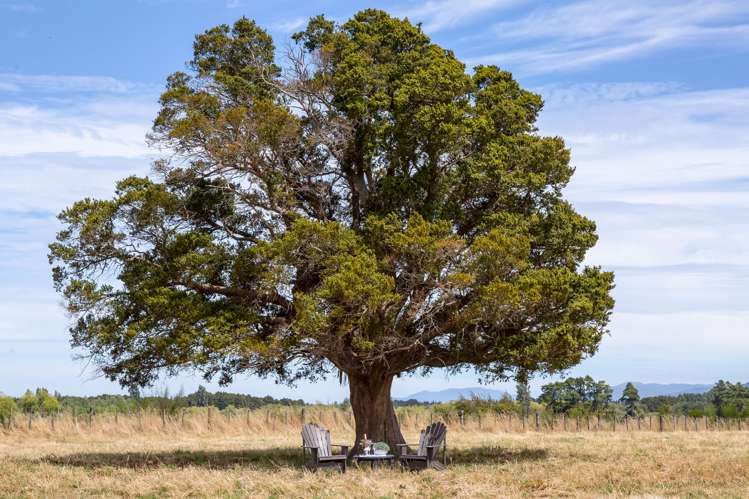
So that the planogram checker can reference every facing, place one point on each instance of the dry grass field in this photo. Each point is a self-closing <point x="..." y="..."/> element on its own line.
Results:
<point x="260" y="457"/>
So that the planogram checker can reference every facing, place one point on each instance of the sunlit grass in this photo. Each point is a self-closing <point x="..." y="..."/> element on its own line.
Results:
<point x="484" y="464"/>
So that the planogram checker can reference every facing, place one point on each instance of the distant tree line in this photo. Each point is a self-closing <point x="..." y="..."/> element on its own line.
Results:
<point x="579" y="396"/>
<point x="584" y="396"/>
<point x="41" y="402"/>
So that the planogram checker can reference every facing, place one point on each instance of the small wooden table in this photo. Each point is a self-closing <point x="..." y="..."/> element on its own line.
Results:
<point x="373" y="459"/>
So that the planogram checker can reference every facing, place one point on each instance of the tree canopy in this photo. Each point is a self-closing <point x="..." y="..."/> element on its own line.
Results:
<point x="584" y="394"/>
<point x="630" y="398"/>
<point x="363" y="205"/>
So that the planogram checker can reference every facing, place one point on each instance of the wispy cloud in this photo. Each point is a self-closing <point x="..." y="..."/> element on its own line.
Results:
<point x="437" y="15"/>
<point x="16" y="82"/>
<point x="691" y="347"/>
<point x="629" y="139"/>
<point x="288" y="25"/>
<point x="588" y="32"/>
<point x="28" y="8"/>
<point x="85" y="115"/>
<point x="660" y="168"/>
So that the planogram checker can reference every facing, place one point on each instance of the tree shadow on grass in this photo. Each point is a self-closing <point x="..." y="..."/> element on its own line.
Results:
<point x="263" y="458"/>
<point x="213" y="459"/>
<point x="494" y="455"/>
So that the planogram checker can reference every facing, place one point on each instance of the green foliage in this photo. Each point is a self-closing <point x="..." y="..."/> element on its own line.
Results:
<point x="725" y="399"/>
<point x="630" y="398"/>
<point x="39" y="402"/>
<point x="476" y="406"/>
<point x="377" y="209"/>
<point x="583" y="394"/>
<point x="45" y="404"/>
<point x="730" y="399"/>
<point x="523" y="395"/>
<point x="7" y="409"/>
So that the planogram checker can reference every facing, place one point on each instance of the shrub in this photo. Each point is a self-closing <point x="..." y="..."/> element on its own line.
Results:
<point x="7" y="408"/>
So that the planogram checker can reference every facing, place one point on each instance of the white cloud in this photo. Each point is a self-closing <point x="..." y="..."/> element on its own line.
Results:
<point x="588" y="32"/>
<point x="438" y="15"/>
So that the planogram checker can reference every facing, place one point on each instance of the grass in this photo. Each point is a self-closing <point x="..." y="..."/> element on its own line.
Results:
<point x="269" y="464"/>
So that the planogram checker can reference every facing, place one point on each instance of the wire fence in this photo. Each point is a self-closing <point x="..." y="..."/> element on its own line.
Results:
<point x="288" y="420"/>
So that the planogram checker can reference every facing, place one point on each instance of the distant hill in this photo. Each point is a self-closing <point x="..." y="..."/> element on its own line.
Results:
<point x="454" y="394"/>
<point x="657" y="389"/>
<point x="645" y="390"/>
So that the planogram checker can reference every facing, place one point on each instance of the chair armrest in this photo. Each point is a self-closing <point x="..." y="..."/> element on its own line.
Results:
<point x="344" y="448"/>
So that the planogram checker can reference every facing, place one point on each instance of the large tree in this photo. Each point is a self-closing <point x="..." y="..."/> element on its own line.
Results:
<point x="364" y="208"/>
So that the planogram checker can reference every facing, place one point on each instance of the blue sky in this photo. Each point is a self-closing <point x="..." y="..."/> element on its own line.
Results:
<point x="651" y="96"/>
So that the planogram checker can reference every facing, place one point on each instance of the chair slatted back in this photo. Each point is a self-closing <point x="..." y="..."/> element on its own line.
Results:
<point x="438" y="435"/>
<point x="433" y="435"/>
<point x="315" y="436"/>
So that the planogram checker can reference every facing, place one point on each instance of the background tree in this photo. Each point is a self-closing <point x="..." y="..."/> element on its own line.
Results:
<point x="7" y="409"/>
<point x="369" y="209"/>
<point x="39" y="402"/>
<point x="28" y="402"/>
<point x="630" y="398"/>
<point x="523" y="394"/>
<point x="729" y="399"/>
<point x="47" y="404"/>
<point x="584" y="394"/>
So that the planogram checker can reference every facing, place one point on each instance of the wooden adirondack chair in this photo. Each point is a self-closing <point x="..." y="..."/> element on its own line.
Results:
<point x="317" y="440"/>
<point x="426" y="456"/>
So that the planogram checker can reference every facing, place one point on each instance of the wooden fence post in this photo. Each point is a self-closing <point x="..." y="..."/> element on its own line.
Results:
<point x="538" y="422"/>
<point x="660" y="422"/>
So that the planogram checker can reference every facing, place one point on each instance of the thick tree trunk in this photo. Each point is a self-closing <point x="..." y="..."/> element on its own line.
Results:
<point x="373" y="411"/>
